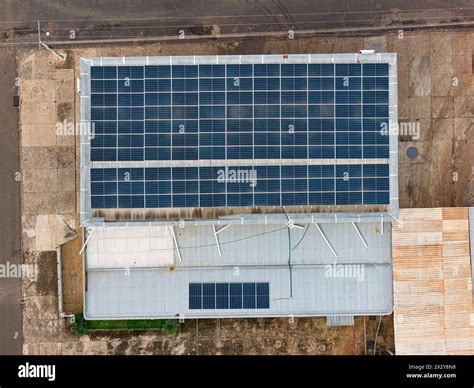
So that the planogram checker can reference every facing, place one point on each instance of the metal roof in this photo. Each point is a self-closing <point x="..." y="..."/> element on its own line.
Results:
<point x="318" y="260"/>
<point x="306" y="280"/>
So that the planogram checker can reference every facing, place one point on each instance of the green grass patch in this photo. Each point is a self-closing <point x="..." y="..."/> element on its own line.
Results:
<point x="170" y="327"/>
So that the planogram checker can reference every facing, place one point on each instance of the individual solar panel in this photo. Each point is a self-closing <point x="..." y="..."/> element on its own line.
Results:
<point x="263" y="295"/>
<point x="222" y="295"/>
<point x="260" y="111"/>
<point x="235" y="294"/>
<point x="249" y="295"/>
<point x="208" y="296"/>
<point x="195" y="296"/>
<point x="185" y="187"/>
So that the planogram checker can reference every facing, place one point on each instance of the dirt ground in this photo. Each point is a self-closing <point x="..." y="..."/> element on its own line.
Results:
<point x="262" y="336"/>
<point x="436" y="92"/>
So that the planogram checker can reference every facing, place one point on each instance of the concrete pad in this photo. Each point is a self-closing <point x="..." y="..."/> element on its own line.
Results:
<point x="66" y="179"/>
<point x="65" y="85"/>
<point x="65" y="140"/>
<point x="41" y="330"/>
<point x="395" y="44"/>
<point x="38" y="113"/>
<point x="464" y="129"/>
<point x="418" y="44"/>
<point x="416" y="180"/>
<point x="41" y="308"/>
<point x="443" y="129"/>
<point x="441" y="84"/>
<point x="66" y="202"/>
<point x="442" y="148"/>
<point x="420" y="76"/>
<point x="420" y="107"/>
<point x="95" y="348"/>
<point x="65" y="111"/>
<point x="442" y="171"/>
<point x="464" y="107"/>
<point x="28" y="233"/>
<point x="65" y="90"/>
<point x="442" y="107"/>
<point x="37" y="90"/>
<point x="424" y="129"/>
<point x="462" y="43"/>
<point x="43" y="65"/>
<point x="403" y="108"/>
<point x="442" y="64"/>
<point x="26" y="68"/>
<point x="441" y="45"/>
<point x="403" y="63"/>
<point x="465" y="85"/>
<point x="31" y="286"/>
<point x="38" y="135"/>
<point x="52" y="232"/>
<point x="63" y="74"/>
<point x="35" y="203"/>
<point x="40" y="180"/>
<point x="50" y="348"/>
<point x="66" y="157"/>
<point x="462" y="64"/>
<point x="72" y="348"/>
<point x="39" y="157"/>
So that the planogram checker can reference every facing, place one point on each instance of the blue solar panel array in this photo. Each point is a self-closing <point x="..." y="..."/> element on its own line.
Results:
<point x="180" y="187"/>
<point x="260" y="111"/>
<point x="207" y="296"/>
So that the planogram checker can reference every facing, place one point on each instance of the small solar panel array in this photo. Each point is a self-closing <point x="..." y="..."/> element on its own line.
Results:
<point x="173" y="113"/>
<point x="210" y="296"/>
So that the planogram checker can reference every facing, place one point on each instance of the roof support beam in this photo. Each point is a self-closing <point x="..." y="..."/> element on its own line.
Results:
<point x="325" y="239"/>
<point x="217" y="239"/>
<point x="176" y="243"/>
<point x="359" y="234"/>
<point x="87" y="240"/>
<point x="222" y="229"/>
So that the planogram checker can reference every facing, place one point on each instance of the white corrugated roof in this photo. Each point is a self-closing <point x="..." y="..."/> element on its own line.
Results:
<point x="313" y="283"/>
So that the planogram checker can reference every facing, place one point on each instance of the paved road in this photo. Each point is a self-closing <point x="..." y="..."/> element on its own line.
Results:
<point x="10" y="248"/>
<point x="129" y="19"/>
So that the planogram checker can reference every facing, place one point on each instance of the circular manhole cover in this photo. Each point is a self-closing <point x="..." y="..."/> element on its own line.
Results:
<point x="412" y="152"/>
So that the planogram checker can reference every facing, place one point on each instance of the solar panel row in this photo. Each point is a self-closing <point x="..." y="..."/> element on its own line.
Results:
<point x="240" y="70"/>
<point x="179" y="187"/>
<point x="229" y="296"/>
<point x="239" y="139"/>
<point x="239" y="112"/>
<point x="244" y="84"/>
